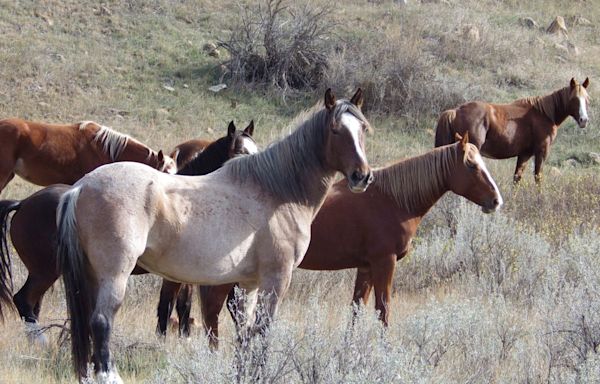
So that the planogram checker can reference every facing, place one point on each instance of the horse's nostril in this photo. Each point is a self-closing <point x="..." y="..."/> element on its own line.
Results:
<point x="356" y="176"/>
<point x="496" y="201"/>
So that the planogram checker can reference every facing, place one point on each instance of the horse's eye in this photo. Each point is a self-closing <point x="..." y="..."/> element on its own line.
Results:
<point x="471" y="166"/>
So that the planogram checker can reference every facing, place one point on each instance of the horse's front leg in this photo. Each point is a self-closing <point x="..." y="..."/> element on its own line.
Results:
<point x="212" y="299"/>
<point x="382" y="273"/>
<point x="272" y="288"/>
<point x="168" y="294"/>
<point x="540" y="157"/>
<point x="362" y="288"/>
<point x="522" y="160"/>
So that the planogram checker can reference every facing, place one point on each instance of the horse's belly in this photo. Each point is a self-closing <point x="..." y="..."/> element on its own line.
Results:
<point x="210" y="262"/>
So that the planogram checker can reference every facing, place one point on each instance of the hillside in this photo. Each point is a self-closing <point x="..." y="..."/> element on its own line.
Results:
<point x="509" y="297"/>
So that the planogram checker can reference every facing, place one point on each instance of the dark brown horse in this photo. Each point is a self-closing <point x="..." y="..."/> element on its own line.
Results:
<point x="524" y="128"/>
<point x="375" y="229"/>
<point x="187" y="151"/>
<point x="33" y="230"/>
<point x="45" y="154"/>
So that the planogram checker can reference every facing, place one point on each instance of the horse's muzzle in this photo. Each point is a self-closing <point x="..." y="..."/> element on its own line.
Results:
<point x="359" y="181"/>
<point x="493" y="205"/>
<point x="582" y="122"/>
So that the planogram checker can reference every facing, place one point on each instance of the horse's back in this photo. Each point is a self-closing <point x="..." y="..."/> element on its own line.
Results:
<point x="187" y="151"/>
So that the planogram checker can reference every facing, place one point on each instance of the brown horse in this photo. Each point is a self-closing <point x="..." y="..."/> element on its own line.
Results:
<point x="45" y="154"/>
<point x="375" y="229"/>
<point x="187" y="151"/>
<point x="524" y="128"/>
<point x="33" y="232"/>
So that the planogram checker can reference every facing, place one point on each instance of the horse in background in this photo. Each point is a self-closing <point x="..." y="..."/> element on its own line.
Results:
<point x="45" y="154"/>
<point x="248" y="221"/>
<point x="187" y="151"/>
<point x="33" y="234"/>
<point x="374" y="230"/>
<point x="524" y="128"/>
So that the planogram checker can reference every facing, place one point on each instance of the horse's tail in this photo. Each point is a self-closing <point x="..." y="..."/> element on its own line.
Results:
<point x="73" y="265"/>
<point x="6" y="284"/>
<point x="443" y="132"/>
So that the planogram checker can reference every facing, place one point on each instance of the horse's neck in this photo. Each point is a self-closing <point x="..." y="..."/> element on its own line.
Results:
<point x="206" y="162"/>
<point x="138" y="152"/>
<point x="553" y="106"/>
<point x="411" y="190"/>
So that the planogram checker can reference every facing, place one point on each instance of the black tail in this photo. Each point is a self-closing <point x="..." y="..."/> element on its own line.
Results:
<point x="444" y="134"/>
<point x="6" y="284"/>
<point x="73" y="265"/>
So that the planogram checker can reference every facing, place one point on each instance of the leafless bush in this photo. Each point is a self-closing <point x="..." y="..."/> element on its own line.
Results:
<point x="397" y="74"/>
<point x="280" y="43"/>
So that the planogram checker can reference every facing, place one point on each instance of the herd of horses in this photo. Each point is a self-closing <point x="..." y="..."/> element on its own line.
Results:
<point x="234" y="215"/>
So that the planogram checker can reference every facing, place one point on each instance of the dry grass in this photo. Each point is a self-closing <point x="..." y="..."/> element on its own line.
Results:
<point x="511" y="297"/>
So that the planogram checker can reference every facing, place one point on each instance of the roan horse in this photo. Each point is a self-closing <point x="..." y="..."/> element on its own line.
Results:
<point x="248" y="222"/>
<point x="45" y="154"/>
<point x="375" y="229"/>
<point x="525" y="128"/>
<point x="33" y="233"/>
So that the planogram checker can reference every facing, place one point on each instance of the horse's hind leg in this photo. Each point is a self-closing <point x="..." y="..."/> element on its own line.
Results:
<point x="522" y="160"/>
<point x="110" y="296"/>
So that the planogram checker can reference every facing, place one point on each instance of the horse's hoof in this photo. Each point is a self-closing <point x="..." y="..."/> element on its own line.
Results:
<point x="110" y="377"/>
<point x="35" y="334"/>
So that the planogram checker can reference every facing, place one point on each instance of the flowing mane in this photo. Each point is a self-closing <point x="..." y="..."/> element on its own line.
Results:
<point x="284" y="167"/>
<point x="552" y="106"/>
<point x="113" y="142"/>
<point x="417" y="181"/>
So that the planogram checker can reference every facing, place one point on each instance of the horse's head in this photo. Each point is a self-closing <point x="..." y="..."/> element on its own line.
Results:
<point x="241" y="142"/>
<point x="471" y="179"/>
<point x="578" y="102"/>
<point x="345" y="151"/>
<point x="165" y="163"/>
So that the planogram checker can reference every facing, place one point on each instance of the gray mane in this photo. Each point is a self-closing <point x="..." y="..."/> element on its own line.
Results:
<point x="418" y="181"/>
<point x="113" y="143"/>
<point x="286" y="167"/>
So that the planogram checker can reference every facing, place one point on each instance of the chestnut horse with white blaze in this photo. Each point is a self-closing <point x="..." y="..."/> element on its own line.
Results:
<point x="524" y="128"/>
<point x="374" y="229"/>
<point x="45" y="154"/>
<point x="247" y="222"/>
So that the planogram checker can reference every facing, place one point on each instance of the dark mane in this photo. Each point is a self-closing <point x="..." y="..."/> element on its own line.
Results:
<point x="209" y="160"/>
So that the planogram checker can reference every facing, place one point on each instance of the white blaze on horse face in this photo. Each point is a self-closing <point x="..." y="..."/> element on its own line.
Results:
<point x="583" y="116"/>
<point x="354" y="125"/>
<point x="481" y="164"/>
<point x="249" y="145"/>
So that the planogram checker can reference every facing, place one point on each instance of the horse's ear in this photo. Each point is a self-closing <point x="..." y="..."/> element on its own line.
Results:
<point x="329" y="99"/>
<point x="231" y="129"/>
<point x="250" y="128"/>
<point x="161" y="156"/>
<point x="457" y="137"/>
<point x="357" y="99"/>
<point x="573" y="82"/>
<point x="586" y="82"/>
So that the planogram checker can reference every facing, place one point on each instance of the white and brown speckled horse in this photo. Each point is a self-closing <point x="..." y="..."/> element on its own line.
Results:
<point x="248" y="221"/>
